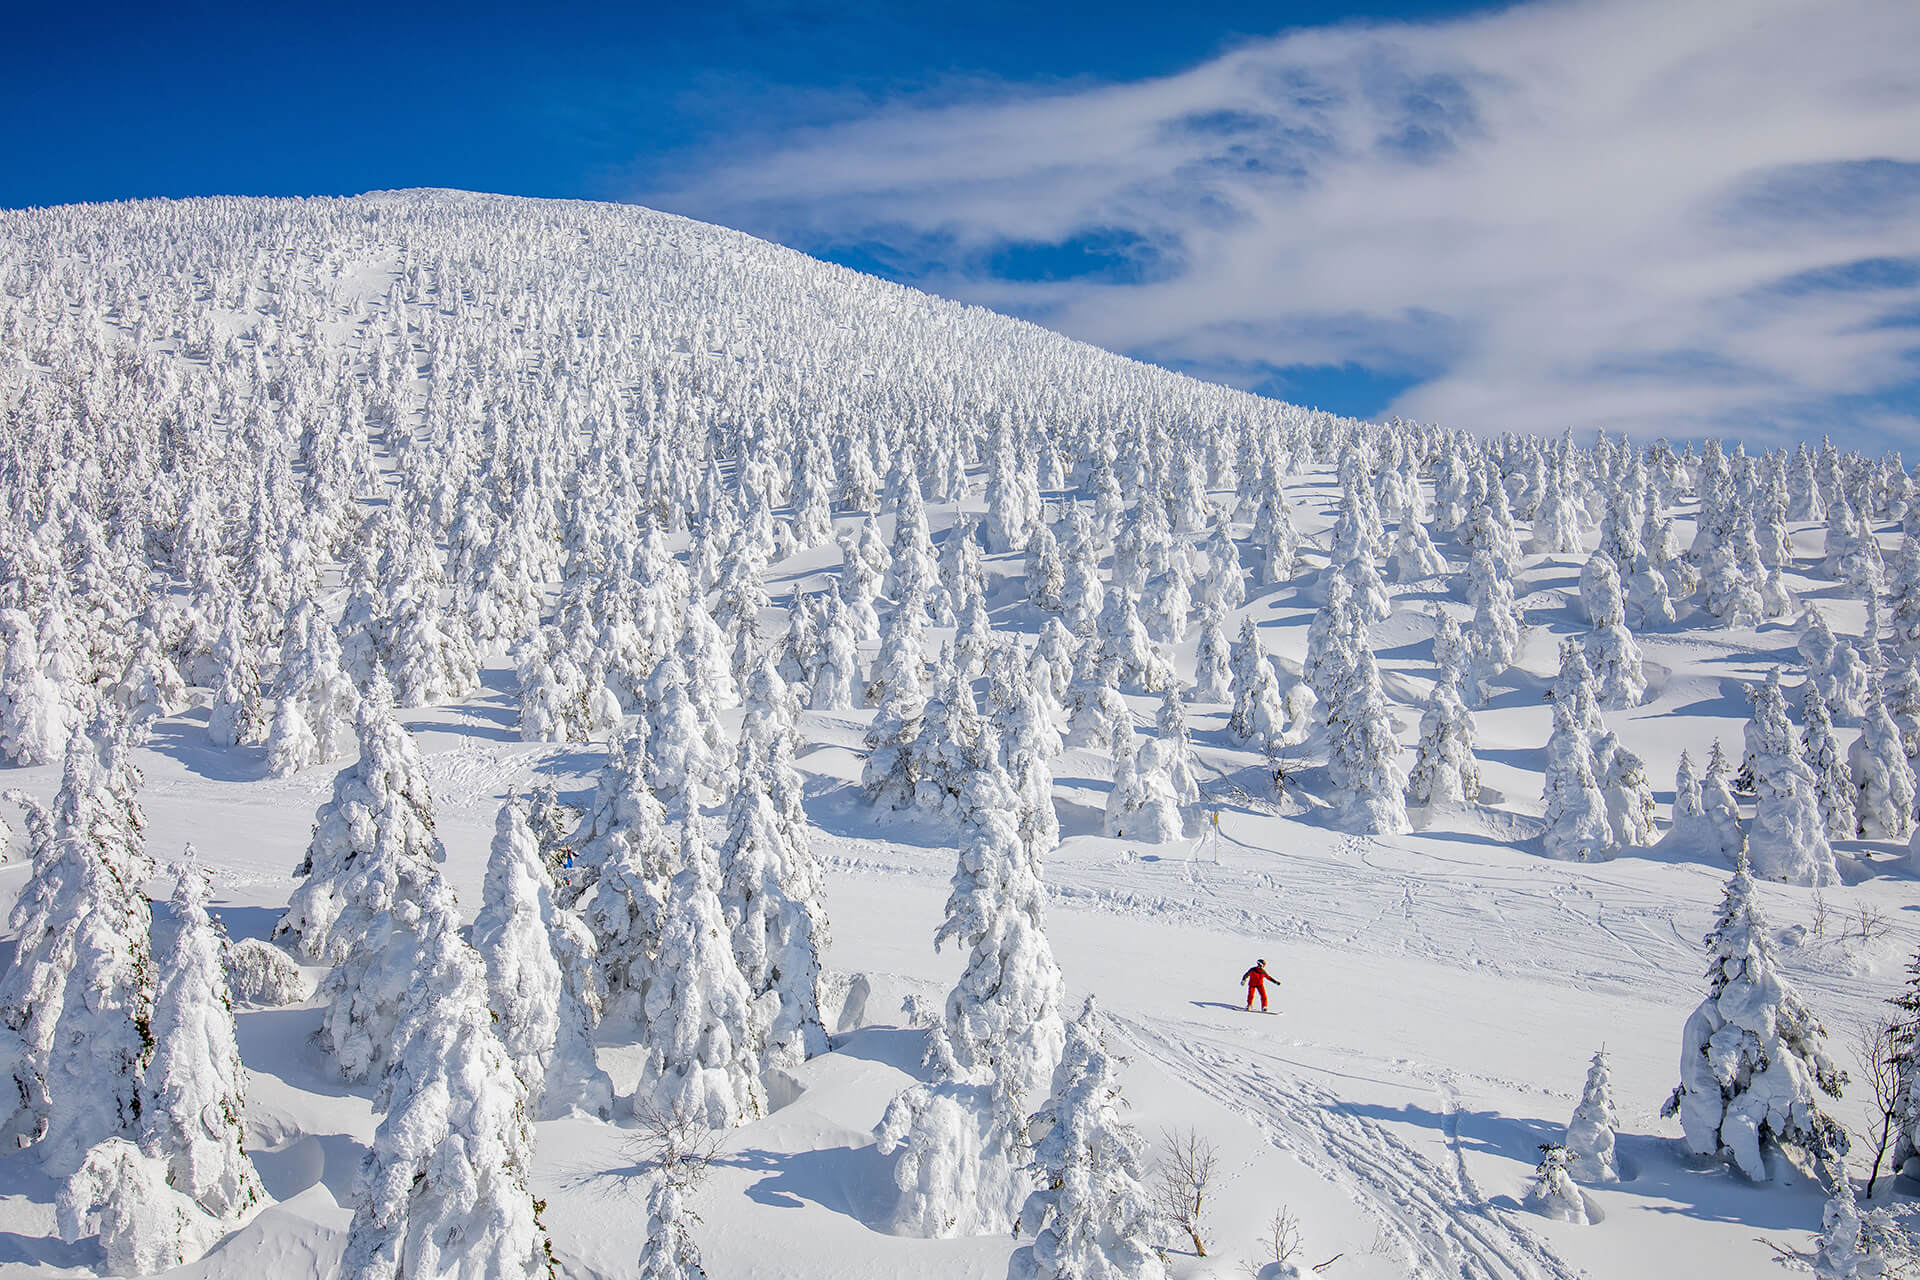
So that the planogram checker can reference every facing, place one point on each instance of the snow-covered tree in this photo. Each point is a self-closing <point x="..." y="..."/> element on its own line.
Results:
<point x="959" y="1143"/>
<point x="194" y="1112"/>
<point x="79" y="993"/>
<point x="1753" y="1058"/>
<point x="1493" y="638"/>
<point x="1143" y="805"/>
<point x="542" y="977"/>
<point x="771" y="893"/>
<point x="1578" y="828"/>
<point x="1259" y="716"/>
<point x="1212" y="660"/>
<point x="1788" y="837"/>
<point x="1590" y="1143"/>
<point x="1363" y="757"/>
<point x="621" y="863"/>
<point x="703" y="1050"/>
<point x="444" y="1191"/>
<point x="120" y="1194"/>
<point x="1832" y="779"/>
<point x="1444" y="769"/>
<point x="1093" y="1215"/>
<point x="1629" y="793"/>
<point x="381" y="811"/>
<point x="371" y="883"/>
<point x="1610" y="648"/>
<point x="1553" y="1194"/>
<point x="1883" y="780"/>
<point x="670" y="1252"/>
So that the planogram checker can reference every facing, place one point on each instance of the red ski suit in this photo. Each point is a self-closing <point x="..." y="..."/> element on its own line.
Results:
<point x="1256" y="980"/>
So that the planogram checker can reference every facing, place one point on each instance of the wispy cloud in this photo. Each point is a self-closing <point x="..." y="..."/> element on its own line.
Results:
<point x="1678" y="216"/>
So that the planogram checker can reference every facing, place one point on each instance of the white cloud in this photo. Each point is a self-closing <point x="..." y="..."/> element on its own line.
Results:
<point x="1576" y="214"/>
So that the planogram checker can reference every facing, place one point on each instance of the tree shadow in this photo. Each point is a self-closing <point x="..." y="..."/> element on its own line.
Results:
<point x="183" y="738"/>
<point x="843" y="1180"/>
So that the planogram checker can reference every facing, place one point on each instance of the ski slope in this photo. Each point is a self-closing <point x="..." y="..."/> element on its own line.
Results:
<point x="1440" y="992"/>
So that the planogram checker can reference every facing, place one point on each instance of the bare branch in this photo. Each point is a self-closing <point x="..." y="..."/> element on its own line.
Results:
<point x="1180" y="1182"/>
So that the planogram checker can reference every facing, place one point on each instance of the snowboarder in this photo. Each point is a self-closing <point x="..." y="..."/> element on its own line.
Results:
<point x="1256" y="979"/>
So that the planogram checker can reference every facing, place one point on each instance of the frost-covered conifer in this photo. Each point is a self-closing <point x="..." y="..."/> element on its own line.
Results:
<point x="430" y="651"/>
<point x="1649" y="600"/>
<point x="1832" y="779"/>
<point x="325" y="700"/>
<point x="1720" y="808"/>
<point x="1856" y="1246"/>
<point x="1590" y="1144"/>
<point x="150" y="686"/>
<point x="542" y="979"/>
<point x="1330" y="646"/>
<point x="553" y="690"/>
<point x="1212" y="670"/>
<point x="771" y="895"/>
<point x="1093" y="1215"/>
<point x="1414" y="555"/>
<point x="444" y="1191"/>
<point x="1444" y="769"/>
<point x="1274" y="536"/>
<point x="945" y="745"/>
<point x="897" y="671"/>
<point x="371" y="884"/>
<point x="120" y="1194"/>
<point x="39" y="693"/>
<point x="1557" y="522"/>
<point x="1171" y="723"/>
<point x="1788" y="838"/>
<point x="670" y="1252"/>
<point x="681" y="748"/>
<point x="1493" y="638"/>
<point x="1143" y="805"/>
<point x="1726" y="591"/>
<point x="1098" y="719"/>
<point x="1752" y="1055"/>
<point x="1901" y="690"/>
<point x="620" y="868"/>
<point x="1029" y="741"/>
<point x="1225" y="582"/>
<point x="1123" y="648"/>
<point x="381" y="811"/>
<point x="238" y="715"/>
<point x="1610" y="647"/>
<point x="1362" y="756"/>
<point x="1046" y="570"/>
<point x="79" y="992"/>
<point x="1170" y="599"/>
<point x="1450" y="655"/>
<point x="959" y="1144"/>
<point x="703" y="1050"/>
<point x="1883" y="780"/>
<point x="1578" y="828"/>
<point x="1905" y="589"/>
<point x="1259" y="716"/>
<point x="1842" y="680"/>
<point x="1629" y="798"/>
<point x="194" y="1110"/>
<point x="837" y="668"/>
<point x="1553" y="1194"/>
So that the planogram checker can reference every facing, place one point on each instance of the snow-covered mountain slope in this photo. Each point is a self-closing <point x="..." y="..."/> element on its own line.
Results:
<point x="596" y="495"/>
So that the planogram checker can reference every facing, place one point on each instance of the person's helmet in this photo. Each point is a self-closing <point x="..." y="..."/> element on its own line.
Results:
<point x="1260" y="964"/>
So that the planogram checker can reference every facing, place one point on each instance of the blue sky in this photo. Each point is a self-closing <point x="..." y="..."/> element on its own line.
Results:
<point x="1674" y="216"/>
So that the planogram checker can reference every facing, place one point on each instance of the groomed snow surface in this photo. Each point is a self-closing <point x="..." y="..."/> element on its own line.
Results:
<point x="1442" y="991"/>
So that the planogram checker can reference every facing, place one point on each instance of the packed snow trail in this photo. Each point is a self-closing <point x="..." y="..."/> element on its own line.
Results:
<point x="1446" y="1226"/>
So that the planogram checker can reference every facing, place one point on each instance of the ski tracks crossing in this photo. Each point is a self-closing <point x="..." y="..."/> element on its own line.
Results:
<point x="1444" y="1227"/>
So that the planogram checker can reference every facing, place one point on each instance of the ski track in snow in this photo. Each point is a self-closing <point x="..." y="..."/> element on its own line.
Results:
<point x="1436" y="1213"/>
